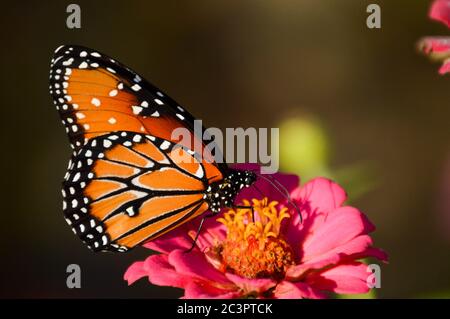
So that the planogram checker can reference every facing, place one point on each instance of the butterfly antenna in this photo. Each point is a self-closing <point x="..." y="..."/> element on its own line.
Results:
<point x="280" y="185"/>
<point x="287" y="195"/>
<point x="259" y="191"/>
<point x="282" y="190"/>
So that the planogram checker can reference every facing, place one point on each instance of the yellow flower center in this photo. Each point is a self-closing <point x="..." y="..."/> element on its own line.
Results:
<point x="254" y="246"/>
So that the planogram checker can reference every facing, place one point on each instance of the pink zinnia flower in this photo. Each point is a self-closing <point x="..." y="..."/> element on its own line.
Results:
<point x="438" y="48"/>
<point x="274" y="256"/>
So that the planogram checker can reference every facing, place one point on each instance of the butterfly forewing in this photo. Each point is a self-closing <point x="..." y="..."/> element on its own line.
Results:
<point x="95" y="94"/>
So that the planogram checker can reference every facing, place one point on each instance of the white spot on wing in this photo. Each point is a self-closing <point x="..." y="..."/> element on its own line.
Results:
<point x="130" y="211"/>
<point x="95" y="101"/>
<point x="136" y="109"/>
<point x="199" y="173"/>
<point x="59" y="48"/>
<point x="76" y="177"/>
<point x="68" y="62"/>
<point x="164" y="145"/>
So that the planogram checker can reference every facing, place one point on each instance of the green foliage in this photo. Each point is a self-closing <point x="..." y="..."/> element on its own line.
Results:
<point x="304" y="147"/>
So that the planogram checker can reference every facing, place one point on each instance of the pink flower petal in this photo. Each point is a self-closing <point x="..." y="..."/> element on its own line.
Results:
<point x="195" y="265"/>
<point x="135" y="272"/>
<point x="440" y="11"/>
<point x="445" y="68"/>
<point x="319" y="196"/>
<point x="158" y="270"/>
<point x="182" y="237"/>
<point x="431" y="45"/>
<point x="438" y="48"/>
<point x="173" y="240"/>
<point x="297" y="290"/>
<point x="162" y="273"/>
<point x="316" y="199"/>
<point x="212" y="232"/>
<point x="204" y="290"/>
<point x="356" y="248"/>
<point x="350" y="278"/>
<point x="371" y="252"/>
<point x="339" y="228"/>
<point x="249" y="286"/>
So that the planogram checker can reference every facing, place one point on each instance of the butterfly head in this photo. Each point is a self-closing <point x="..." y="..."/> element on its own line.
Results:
<point x="222" y="194"/>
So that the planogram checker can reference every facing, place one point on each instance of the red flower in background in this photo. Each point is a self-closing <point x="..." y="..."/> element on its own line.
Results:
<point x="438" y="48"/>
<point x="270" y="255"/>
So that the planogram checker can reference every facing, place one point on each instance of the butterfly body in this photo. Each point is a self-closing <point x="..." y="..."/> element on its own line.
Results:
<point x="222" y="194"/>
<point x="129" y="181"/>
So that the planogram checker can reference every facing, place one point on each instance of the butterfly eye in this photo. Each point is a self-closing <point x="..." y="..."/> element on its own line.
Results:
<point x="249" y="180"/>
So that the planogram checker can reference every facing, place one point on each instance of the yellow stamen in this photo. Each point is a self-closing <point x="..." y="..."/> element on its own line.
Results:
<point x="255" y="248"/>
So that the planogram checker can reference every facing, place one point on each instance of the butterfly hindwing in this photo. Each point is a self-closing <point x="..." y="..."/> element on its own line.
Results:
<point x="125" y="188"/>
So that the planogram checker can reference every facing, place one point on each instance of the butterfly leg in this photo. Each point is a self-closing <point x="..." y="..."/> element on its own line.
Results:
<point x="198" y="231"/>
<point x="245" y="207"/>
<point x="212" y="215"/>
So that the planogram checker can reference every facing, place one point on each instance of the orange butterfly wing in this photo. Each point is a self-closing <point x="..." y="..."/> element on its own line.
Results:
<point x="126" y="183"/>
<point x="125" y="188"/>
<point x="95" y="94"/>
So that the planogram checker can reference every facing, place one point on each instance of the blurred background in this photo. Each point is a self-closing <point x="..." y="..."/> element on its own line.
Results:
<point x="358" y="105"/>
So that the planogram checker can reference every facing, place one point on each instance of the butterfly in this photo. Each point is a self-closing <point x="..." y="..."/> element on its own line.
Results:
<point x="125" y="184"/>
